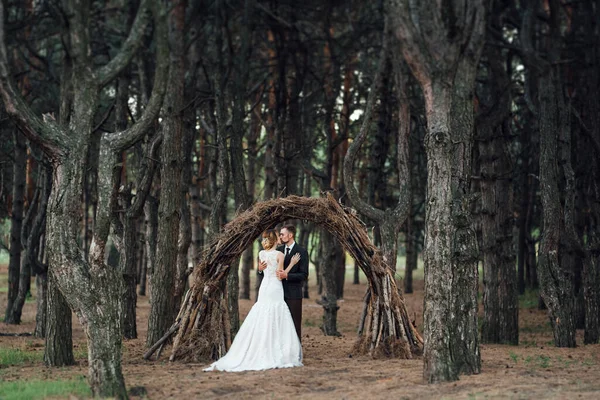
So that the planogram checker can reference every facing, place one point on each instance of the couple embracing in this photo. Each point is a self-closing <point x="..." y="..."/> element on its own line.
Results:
<point x="270" y="335"/>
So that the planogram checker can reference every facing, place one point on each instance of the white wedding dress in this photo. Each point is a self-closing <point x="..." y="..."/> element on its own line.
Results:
<point x="267" y="338"/>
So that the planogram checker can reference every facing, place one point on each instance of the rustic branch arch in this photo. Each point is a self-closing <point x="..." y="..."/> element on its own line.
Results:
<point x="202" y="326"/>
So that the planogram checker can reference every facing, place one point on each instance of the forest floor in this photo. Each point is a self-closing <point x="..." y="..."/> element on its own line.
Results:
<point x="534" y="369"/>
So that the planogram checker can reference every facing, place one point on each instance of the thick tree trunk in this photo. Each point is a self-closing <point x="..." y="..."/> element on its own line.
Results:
<point x="59" y="343"/>
<point x="450" y="258"/>
<point x="555" y="260"/>
<point x="16" y="220"/>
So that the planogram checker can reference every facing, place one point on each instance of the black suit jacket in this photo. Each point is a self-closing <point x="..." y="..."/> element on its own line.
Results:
<point x="292" y="286"/>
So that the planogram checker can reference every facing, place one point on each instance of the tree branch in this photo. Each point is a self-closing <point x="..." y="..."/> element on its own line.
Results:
<point x="114" y="67"/>
<point x="362" y="206"/>
<point x="120" y="141"/>
<point x="44" y="132"/>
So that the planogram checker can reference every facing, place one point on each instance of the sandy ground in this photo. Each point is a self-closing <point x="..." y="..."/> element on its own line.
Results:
<point x="534" y="369"/>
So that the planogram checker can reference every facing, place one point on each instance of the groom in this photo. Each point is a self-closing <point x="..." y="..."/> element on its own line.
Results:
<point x="293" y="280"/>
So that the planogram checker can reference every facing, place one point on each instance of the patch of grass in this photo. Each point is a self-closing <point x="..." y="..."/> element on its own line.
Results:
<point x="544" y="361"/>
<point x="588" y="362"/>
<point x="309" y="322"/>
<point x="39" y="389"/>
<point x="81" y="353"/>
<point x="10" y="356"/>
<point x="513" y="357"/>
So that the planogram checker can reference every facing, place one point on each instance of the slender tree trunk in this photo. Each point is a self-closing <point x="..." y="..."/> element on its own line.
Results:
<point x="143" y="265"/>
<point x="328" y="275"/>
<point x="411" y="253"/>
<point x="128" y="263"/>
<point x="151" y="217"/>
<point x="185" y="225"/>
<point x="14" y="264"/>
<point x="41" y="295"/>
<point x="500" y="322"/>
<point x="524" y="211"/>
<point x="500" y="302"/>
<point x="162" y="312"/>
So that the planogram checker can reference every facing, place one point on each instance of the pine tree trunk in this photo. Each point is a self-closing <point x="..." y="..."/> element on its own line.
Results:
<point x="328" y="273"/>
<point x="16" y="220"/>
<point x="555" y="262"/>
<point x="524" y="211"/>
<point x="59" y="343"/>
<point x="24" y="290"/>
<point x="151" y="217"/>
<point x="450" y="304"/>
<point x="41" y="294"/>
<point x="411" y="253"/>
<point x="162" y="312"/>
<point x="143" y="268"/>
<point x="128" y="268"/>
<point x="500" y="321"/>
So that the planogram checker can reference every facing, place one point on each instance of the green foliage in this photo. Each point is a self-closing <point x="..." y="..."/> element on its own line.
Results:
<point x="39" y="389"/>
<point x="11" y="356"/>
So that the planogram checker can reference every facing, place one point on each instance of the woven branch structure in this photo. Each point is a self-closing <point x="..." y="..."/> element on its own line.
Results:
<point x="202" y="326"/>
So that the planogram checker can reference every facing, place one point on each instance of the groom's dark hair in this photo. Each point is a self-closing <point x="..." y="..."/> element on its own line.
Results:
<point x="291" y="229"/>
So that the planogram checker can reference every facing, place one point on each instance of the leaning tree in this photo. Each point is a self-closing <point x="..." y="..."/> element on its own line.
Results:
<point x="202" y="326"/>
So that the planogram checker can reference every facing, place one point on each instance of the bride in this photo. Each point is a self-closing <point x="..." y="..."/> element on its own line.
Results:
<point x="267" y="338"/>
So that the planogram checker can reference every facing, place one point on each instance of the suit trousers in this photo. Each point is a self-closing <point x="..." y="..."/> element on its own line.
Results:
<point x="295" y="306"/>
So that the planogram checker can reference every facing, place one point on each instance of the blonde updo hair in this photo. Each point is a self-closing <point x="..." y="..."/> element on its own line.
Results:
<point x="269" y="239"/>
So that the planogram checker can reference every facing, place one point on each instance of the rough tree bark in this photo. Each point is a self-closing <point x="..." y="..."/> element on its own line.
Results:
<point x="16" y="220"/>
<point x="162" y="308"/>
<point x="559" y="240"/>
<point x="500" y="301"/>
<point x="442" y="44"/>
<point x="58" y="349"/>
